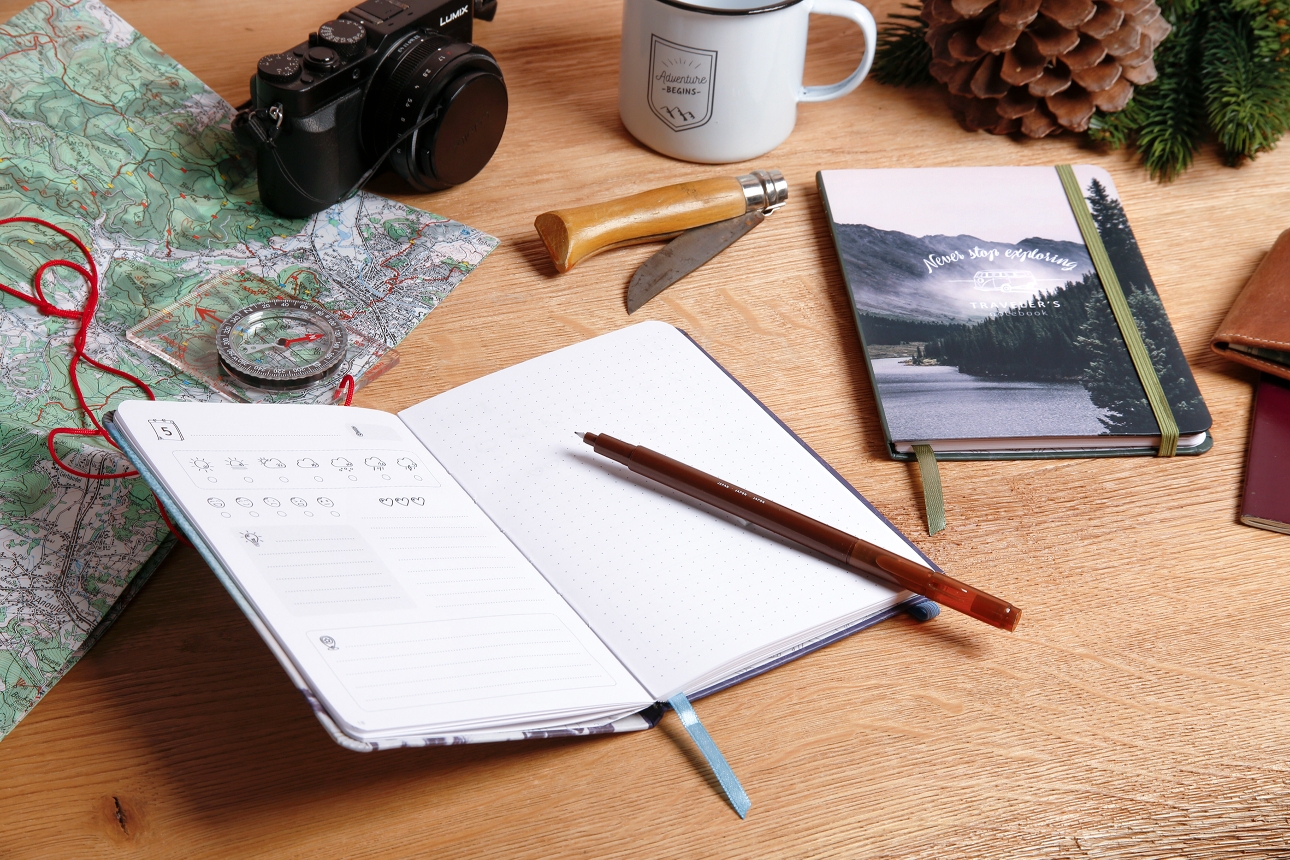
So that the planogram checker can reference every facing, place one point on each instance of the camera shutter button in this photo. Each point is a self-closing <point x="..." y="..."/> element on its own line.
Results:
<point x="279" y="68"/>
<point x="346" y="38"/>
<point x="321" y="59"/>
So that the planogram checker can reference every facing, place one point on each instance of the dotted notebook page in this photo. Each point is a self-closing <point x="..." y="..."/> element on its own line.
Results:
<point x="675" y="590"/>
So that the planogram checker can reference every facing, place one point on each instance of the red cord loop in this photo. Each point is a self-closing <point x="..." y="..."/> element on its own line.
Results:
<point x="346" y="385"/>
<point x="86" y="316"/>
<point x="37" y="299"/>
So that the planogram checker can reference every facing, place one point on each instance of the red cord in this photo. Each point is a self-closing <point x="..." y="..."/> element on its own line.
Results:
<point x="86" y="316"/>
<point x="346" y="385"/>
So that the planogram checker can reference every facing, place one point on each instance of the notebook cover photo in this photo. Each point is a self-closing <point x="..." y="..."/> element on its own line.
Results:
<point x="1266" y="503"/>
<point x="982" y="317"/>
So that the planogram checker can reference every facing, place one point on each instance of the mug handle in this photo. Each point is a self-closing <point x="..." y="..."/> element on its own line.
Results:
<point x="855" y="12"/>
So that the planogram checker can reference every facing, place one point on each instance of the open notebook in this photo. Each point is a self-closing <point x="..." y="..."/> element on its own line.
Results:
<point x="468" y="570"/>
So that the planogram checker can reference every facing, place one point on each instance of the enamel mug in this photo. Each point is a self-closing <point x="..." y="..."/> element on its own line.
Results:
<point x="720" y="80"/>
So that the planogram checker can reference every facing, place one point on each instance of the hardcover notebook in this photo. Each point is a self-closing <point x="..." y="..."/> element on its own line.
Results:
<point x="1266" y="503"/>
<point x="468" y="570"/>
<point x="986" y="328"/>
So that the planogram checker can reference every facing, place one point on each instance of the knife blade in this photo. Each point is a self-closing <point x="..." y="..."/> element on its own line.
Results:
<point x="686" y="253"/>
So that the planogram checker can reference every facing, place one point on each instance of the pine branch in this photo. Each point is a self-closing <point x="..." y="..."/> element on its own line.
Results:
<point x="1269" y="21"/>
<point x="1165" y="120"/>
<point x="903" y="55"/>
<point x="1247" y="96"/>
<point x="1116" y="130"/>
<point x="1176" y="11"/>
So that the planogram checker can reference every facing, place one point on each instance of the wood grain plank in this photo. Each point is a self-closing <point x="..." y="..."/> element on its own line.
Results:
<point x="1140" y="711"/>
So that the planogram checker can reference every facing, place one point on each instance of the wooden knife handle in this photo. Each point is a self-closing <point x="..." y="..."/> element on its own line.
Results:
<point x="572" y="235"/>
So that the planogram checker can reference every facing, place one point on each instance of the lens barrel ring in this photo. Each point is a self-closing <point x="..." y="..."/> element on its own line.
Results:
<point x="388" y="111"/>
<point x="427" y="72"/>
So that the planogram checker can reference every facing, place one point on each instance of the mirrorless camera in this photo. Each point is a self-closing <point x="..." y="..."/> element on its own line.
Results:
<point x="390" y="83"/>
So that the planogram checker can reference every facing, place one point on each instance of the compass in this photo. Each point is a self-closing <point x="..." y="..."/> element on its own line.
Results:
<point x="282" y="345"/>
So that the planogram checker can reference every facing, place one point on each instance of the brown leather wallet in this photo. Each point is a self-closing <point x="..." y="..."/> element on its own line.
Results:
<point x="1256" y="331"/>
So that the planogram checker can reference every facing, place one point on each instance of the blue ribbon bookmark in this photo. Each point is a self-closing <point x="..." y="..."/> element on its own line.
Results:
<point x="729" y="782"/>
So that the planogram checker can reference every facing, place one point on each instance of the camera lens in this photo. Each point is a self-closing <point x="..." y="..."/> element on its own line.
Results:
<point x="470" y="128"/>
<point x="456" y="90"/>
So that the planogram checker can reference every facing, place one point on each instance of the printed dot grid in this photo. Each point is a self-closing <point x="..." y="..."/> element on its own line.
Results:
<point x="674" y="588"/>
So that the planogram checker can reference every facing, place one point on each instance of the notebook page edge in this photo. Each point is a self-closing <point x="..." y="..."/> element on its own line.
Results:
<point x="327" y="712"/>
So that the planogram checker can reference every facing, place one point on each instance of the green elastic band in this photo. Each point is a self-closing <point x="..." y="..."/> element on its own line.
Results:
<point x="1120" y="309"/>
<point x="933" y="498"/>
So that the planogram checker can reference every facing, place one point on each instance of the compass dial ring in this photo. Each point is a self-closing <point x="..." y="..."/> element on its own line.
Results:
<point x="280" y="345"/>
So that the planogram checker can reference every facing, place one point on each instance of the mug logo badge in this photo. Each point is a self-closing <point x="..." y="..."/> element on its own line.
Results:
<point x="681" y="83"/>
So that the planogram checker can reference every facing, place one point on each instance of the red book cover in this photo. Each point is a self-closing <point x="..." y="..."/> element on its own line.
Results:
<point x="1267" y="473"/>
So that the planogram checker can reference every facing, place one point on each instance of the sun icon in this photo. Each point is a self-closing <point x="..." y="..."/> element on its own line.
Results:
<point x="200" y="464"/>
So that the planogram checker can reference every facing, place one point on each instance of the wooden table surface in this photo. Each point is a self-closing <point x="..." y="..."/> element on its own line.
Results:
<point x="1141" y="710"/>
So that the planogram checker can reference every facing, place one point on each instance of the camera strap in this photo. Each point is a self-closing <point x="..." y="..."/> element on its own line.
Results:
<point x="259" y="128"/>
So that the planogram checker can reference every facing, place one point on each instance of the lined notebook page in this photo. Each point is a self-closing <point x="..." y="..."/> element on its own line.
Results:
<point x="683" y="595"/>
<point x="399" y="601"/>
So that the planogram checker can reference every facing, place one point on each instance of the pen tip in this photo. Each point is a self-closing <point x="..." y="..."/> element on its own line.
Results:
<point x="580" y="436"/>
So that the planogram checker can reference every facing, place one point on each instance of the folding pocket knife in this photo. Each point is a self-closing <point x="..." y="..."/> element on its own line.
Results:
<point x="701" y="218"/>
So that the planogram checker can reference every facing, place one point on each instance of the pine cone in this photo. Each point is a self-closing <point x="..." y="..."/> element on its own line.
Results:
<point x="1038" y="66"/>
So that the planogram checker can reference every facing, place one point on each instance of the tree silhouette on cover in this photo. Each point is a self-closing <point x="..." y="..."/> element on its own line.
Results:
<point x="1069" y="334"/>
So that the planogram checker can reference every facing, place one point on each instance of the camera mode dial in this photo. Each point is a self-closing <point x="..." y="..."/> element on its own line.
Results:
<point x="347" y="38"/>
<point x="279" y="68"/>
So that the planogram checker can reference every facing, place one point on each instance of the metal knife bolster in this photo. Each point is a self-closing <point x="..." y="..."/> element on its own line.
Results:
<point x="766" y="190"/>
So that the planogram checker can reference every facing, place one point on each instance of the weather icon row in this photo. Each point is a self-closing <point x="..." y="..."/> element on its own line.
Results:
<point x="317" y="469"/>
<point x="273" y="505"/>
<point x="344" y="464"/>
<point x="271" y="502"/>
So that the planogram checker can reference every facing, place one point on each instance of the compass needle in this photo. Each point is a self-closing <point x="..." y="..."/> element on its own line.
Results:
<point x="283" y="345"/>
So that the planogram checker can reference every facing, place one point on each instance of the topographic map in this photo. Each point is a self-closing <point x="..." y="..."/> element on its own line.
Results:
<point x="106" y="136"/>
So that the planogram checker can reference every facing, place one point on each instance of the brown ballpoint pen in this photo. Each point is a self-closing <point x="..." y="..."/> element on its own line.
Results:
<point x="846" y="549"/>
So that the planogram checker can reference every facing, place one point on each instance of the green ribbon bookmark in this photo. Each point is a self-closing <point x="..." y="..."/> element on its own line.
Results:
<point x="1123" y="317"/>
<point x="933" y="497"/>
